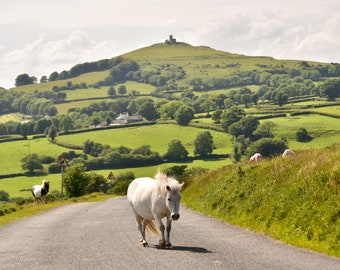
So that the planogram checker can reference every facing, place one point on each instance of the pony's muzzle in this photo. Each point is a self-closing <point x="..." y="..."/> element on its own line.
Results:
<point x="175" y="216"/>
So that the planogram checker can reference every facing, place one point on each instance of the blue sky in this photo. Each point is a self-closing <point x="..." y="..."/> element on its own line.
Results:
<point x="42" y="36"/>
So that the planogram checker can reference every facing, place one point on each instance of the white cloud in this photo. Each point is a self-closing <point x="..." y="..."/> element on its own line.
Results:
<point x="44" y="56"/>
<point x="82" y="30"/>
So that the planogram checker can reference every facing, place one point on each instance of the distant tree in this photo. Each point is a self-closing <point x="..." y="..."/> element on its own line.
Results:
<point x="60" y="97"/>
<point x="246" y="126"/>
<point x="216" y="116"/>
<point x="176" y="151"/>
<point x="97" y="183"/>
<point x="54" y="76"/>
<point x="31" y="163"/>
<point x="148" y="111"/>
<point x="264" y="130"/>
<point x="203" y="144"/>
<point x="43" y="79"/>
<point x="66" y="123"/>
<point x="245" y="99"/>
<point x="302" y="135"/>
<point x="52" y="132"/>
<point x="280" y="99"/>
<point x="122" y="90"/>
<point x="41" y="125"/>
<point x="184" y="115"/>
<point x="95" y="120"/>
<point x="111" y="92"/>
<point x="51" y="110"/>
<point x="268" y="147"/>
<point x="231" y="116"/>
<point x="3" y="129"/>
<point x="76" y="181"/>
<point x="330" y="88"/>
<point x="169" y="109"/>
<point x="228" y="103"/>
<point x="254" y="98"/>
<point x="23" y="79"/>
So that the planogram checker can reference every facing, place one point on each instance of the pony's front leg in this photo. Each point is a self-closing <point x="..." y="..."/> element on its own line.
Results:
<point x="162" y="243"/>
<point x="167" y="237"/>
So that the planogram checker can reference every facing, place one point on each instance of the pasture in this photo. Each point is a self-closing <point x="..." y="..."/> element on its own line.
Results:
<point x="325" y="132"/>
<point x="88" y="78"/>
<point x="102" y="92"/>
<point x="157" y="136"/>
<point x="14" y="185"/>
<point x="13" y="152"/>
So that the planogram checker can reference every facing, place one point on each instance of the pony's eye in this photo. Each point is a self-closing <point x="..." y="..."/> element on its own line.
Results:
<point x="169" y="199"/>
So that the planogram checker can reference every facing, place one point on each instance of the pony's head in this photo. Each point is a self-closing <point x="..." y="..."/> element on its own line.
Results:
<point x="172" y="188"/>
<point x="45" y="185"/>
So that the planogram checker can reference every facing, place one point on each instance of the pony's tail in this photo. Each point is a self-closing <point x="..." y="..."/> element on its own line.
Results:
<point x="152" y="228"/>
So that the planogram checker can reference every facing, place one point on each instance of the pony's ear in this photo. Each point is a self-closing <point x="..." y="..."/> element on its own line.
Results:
<point x="168" y="188"/>
<point x="181" y="185"/>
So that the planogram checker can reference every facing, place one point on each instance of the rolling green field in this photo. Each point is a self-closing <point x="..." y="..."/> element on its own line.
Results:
<point x="202" y="61"/>
<point x="14" y="185"/>
<point x="325" y="132"/>
<point x="88" y="78"/>
<point x="157" y="136"/>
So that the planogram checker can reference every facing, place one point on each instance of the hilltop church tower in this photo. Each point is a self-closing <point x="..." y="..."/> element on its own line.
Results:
<point x="171" y="40"/>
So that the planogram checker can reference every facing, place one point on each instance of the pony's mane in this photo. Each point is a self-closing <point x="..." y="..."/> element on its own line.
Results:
<point x="163" y="180"/>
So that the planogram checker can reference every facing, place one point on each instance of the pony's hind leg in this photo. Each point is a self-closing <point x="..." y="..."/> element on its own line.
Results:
<point x="141" y="224"/>
<point x="143" y="241"/>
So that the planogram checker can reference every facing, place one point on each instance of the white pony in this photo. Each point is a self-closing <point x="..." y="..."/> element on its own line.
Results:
<point x="39" y="192"/>
<point x="288" y="153"/>
<point x="152" y="199"/>
<point x="255" y="158"/>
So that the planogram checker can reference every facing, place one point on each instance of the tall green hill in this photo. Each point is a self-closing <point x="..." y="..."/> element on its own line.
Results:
<point x="196" y="61"/>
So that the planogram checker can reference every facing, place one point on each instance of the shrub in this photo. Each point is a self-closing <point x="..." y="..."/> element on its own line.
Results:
<point x="302" y="135"/>
<point x="47" y="160"/>
<point x="121" y="187"/>
<point x="268" y="147"/>
<point x="4" y="196"/>
<point x="76" y="181"/>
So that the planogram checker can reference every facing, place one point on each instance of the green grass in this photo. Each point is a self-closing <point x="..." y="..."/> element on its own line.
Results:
<point x="204" y="62"/>
<point x="157" y="136"/>
<point x="142" y="88"/>
<point x="295" y="200"/>
<point x="88" y="78"/>
<point x="13" y="186"/>
<point x="15" y="151"/>
<point x="324" y="130"/>
<point x="64" y="107"/>
<point x="15" y="117"/>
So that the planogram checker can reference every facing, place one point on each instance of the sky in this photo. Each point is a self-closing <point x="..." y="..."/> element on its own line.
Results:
<point x="38" y="37"/>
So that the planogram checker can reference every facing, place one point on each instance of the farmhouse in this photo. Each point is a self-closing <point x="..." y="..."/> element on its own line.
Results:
<point x="125" y="118"/>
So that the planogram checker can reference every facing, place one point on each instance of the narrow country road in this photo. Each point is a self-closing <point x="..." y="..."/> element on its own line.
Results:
<point x="103" y="235"/>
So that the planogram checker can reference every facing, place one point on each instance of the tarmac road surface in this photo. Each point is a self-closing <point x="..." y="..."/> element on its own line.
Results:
<point x="103" y="235"/>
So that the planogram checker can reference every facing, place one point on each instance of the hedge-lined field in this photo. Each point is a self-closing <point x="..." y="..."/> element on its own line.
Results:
<point x="157" y="136"/>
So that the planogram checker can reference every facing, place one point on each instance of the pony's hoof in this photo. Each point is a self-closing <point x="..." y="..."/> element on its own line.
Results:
<point x="162" y="244"/>
<point x="143" y="243"/>
<point x="168" y="246"/>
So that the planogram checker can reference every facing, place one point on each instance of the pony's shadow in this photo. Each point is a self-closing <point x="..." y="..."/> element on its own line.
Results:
<point x="185" y="248"/>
